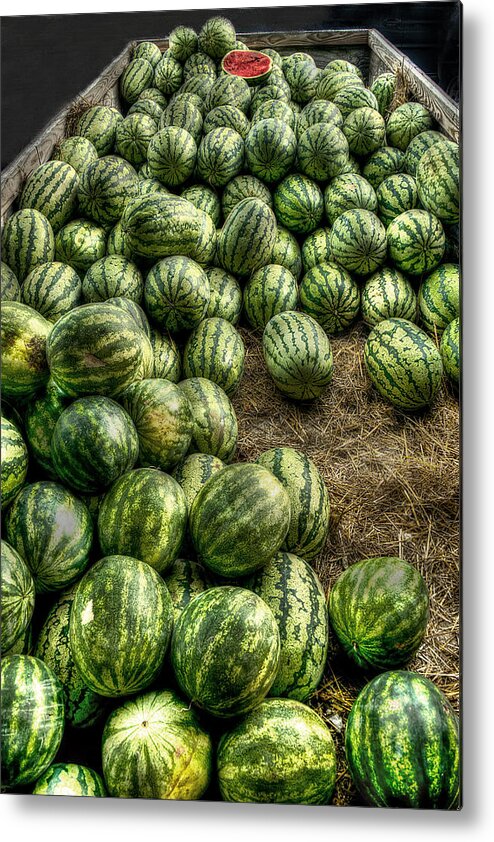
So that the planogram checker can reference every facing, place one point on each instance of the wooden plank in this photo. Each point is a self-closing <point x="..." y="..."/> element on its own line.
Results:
<point x="441" y="106"/>
<point x="298" y="38"/>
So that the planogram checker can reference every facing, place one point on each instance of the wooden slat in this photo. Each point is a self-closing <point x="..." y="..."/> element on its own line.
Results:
<point x="441" y="106"/>
<point x="299" y="38"/>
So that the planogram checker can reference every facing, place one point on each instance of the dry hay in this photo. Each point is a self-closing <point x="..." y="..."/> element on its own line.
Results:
<point x="393" y="481"/>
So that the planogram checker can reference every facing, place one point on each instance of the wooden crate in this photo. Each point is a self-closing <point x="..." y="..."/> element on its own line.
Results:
<point x="367" y="48"/>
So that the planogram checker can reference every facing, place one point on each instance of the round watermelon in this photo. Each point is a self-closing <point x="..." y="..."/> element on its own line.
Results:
<point x="70" y="779"/>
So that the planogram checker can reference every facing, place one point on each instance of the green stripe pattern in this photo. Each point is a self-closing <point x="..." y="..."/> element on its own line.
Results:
<point x="286" y="252"/>
<point x="402" y="743"/>
<point x="405" y="122"/>
<point x="70" y="779"/>
<point x="17" y="596"/>
<point x="388" y="295"/>
<point x="52" y="190"/>
<point x="99" y="124"/>
<point x="204" y="198"/>
<point x="298" y="204"/>
<point x="27" y="241"/>
<point x="220" y="156"/>
<point x="295" y="596"/>
<point x="155" y="747"/>
<point x="167" y="362"/>
<point x="31" y="733"/>
<point x="185" y="580"/>
<point x="319" y="111"/>
<point x="176" y="294"/>
<point x="215" y="426"/>
<point x="365" y="131"/>
<point x="225" y="300"/>
<point x="383" y="162"/>
<point x="450" y="351"/>
<point x="217" y="37"/>
<point x="416" y="242"/>
<point x="105" y="186"/>
<point x="168" y="75"/>
<point x="77" y="151"/>
<point x="438" y="181"/>
<point x="275" y="109"/>
<point x="228" y="117"/>
<point x="182" y="42"/>
<point x="270" y="149"/>
<point x="134" y="135"/>
<point x="379" y="610"/>
<point x="270" y="290"/>
<point x="316" y="249"/>
<point x="347" y="192"/>
<point x="120" y="626"/>
<point x="280" y="734"/>
<point x="439" y="298"/>
<point x="403" y="363"/>
<point x="172" y="155"/>
<point x="79" y="244"/>
<point x="137" y="76"/>
<point x="298" y="355"/>
<point x="14" y="461"/>
<point x="193" y="472"/>
<point x="383" y="88"/>
<point x="225" y="650"/>
<point x="24" y="336"/>
<point x="244" y="187"/>
<point x="229" y="90"/>
<point x="330" y="83"/>
<point x="395" y="195"/>
<point x="239" y="519"/>
<point x="322" y="151"/>
<point x="134" y="310"/>
<point x="10" y="289"/>
<point x="215" y="350"/>
<point x="52" y="289"/>
<point x="112" y="277"/>
<point x="353" y="97"/>
<point x="148" y="50"/>
<point x="417" y="147"/>
<point x="329" y="294"/>
<point x="358" y="242"/>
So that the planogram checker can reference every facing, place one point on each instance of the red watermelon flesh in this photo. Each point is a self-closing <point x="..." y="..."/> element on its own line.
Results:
<point x="251" y="65"/>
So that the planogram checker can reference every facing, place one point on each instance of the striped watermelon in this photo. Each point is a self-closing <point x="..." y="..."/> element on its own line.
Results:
<point x="388" y="295"/>
<point x="159" y="226"/>
<point x="229" y="117"/>
<point x="193" y="472"/>
<point x="346" y="192"/>
<point x="439" y="298"/>
<point x="396" y="194"/>
<point x="268" y="93"/>
<point x="76" y="151"/>
<point x="144" y="515"/>
<point x="239" y="519"/>
<point x="24" y="335"/>
<point x="223" y="679"/>
<point x="14" y="461"/>
<point x="52" y="289"/>
<point x="148" y="50"/>
<point x="225" y="300"/>
<point x="27" y="241"/>
<point x="97" y="349"/>
<point x="403" y="363"/>
<point x="167" y="363"/>
<point x="229" y="90"/>
<point x="329" y="294"/>
<point x="83" y="707"/>
<point x="244" y="187"/>
<point x="383" y="88"/>
<point x="199" y="77"/>
<point x="331" y="82"/>
<point x="9" y="285"/>
<point x="438" y="181"/>
<point x="358" y="242"/>
<point x="269" y="290"/>
<point x="275" y="109"/>
<point x="451" y="352"/>
<point x="99" y="124"/>
<point x="298" y="204"/>
<point x="383" y="162"/>
<point x="52" y="189"/>
<point x="52" y="530"/>
<point x="417" y="147"/>
<point x="79" y="244"/>
<point x="282" y="735"/>
<point x="316" y="249"/>
<point x="365" y="130"/>
<point x="133" y="137"/>
<point x="168" y="75"/>
<point x="215" y="350"/>
<point x="319" y="111"/>
<point x="217" y="37"/>
<point x="182" y="42"/>
<point x="23" y="645"/>
<point x="105" y="186"/>
<point x="185" y="580"/>
<point x="322" y="151"/>
<point x="302" y="78"/>
<point x="353" y="97"/>
<point x="215" y="427"/>
<point x="154" y="746"/>
<point x="147" y="106"/>
<point x="31" y="733"/>
<point x="163" y="418"/>
<point x="93" y="443"/>
<point x="172" y="155"/>
<point x="204" y="198"/>
<point x="185" y="114"/>
<point x="270" y="149"/>
<point x="110" y="277"/>
<point x="405" y="122"/>
<point x="176" y="293"/>
<point x="289" y="586"/>
<point x="70" y="779"/>
<point x="402" y="743"/>
<point x="416" y="242"/>
<point x="120" y="625"/>
<point x="17" y="603"/>
<point x="379" y="610"/>
<point x="286" y="252"/>
<point x="341" y="64"/>
<point x="298" y="355"/>
<point x="138" y="74"/>
<point x="134" y="310"/>
<point x="117" y="242"/>
<point x="220" y="156"/>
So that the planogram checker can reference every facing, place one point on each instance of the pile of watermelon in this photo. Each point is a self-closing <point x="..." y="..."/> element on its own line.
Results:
<point x="158" y="594"/>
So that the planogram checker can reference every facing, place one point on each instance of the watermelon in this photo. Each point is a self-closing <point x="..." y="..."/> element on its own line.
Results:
<point x="83" y="707"/>
<point x="403" y="363"/>
<point x="154" y="746"/>
<point x="439" y="298"/>
<point x="120" y="626"/>
<point x="322" y="151"/>
<point x="182" y="43"/>
<point x="204" y="198"/>
<point x="229" y="90"/>
<point x="215" y="350"/>
<point x="319" y="111"/>
<point x="379" y="610"/>
<point x="97" y="349"/>
<point x="383" y="87"/>
<point x="137" y="75"/>
<point x="99" y="125"/>
<point x="383" y="162"/>
<point x="331" y="82"/>
<point x="148" y="50"/>
<point x="105" y="186"/>
<point x="225" y="681"/>
<point x="244" y="187"/>
<point x="274" y="56"/>
<point x="251" y="65"/>
<point x="133" y="137"/>
<point x="270" y="149"/>
<point x="275" y="109"/>
<point x="405" y="122"/>
<point x="9" y="287"/>
<point x="387" y="294"/>
<point x="346" y="192"/>
<point x="133" y="310"/>
<point x="229" y="117"/>
<point x="225" y="299"/>
<point x="416" y="242"/>
<point x="24" y="335"/>
<point x="281" y="753"/>
<point x="417" y="147"/>
<point x="27" y="241"/>
<point x="396" y="194"/>
<point x="159" y="226"/>
<point x="217" y="37"/>
<point x="239" y="519"/>
<point x="402" y="743"/>
<point x="220" y="156"/>
<point x="199" y="65"/>
<point x="450" y="351"/>
<point x="167" y="363"/>
<point x="286" y="252"/>
<point x="143" y="515"/>
<point x="136" y="142"/>
<point x="52" y="530"/>
<point x="77" y="151"/>
<point x="172" y="155"/>
<point x="315" y="248"/>
<point x="79" y="244"/>
<point x="23" y="645"/>
<point x="358" y="242"/>
<point x="194" y="471"/>
<point x="298" y="204"/>
<point x="353" y="97"/>
<point x="438" y="181"/>
<point x="338" y="65"/>
<point x="70" y="779"/>
<point x="14" y="461"/>
<point x="293" y="592"/>
<point x="176" y="293"/>
<point x="168" y="74"/>
<point x="302" y="77"/>
<point x="365" y="130"/>
<point x="329" y="294"/>
<point x="52" y="190"/>
<point x="93" y="443"/>
<point x="269" y="290"/>
<point x="31" y="733"/>
<point x="110" y="277"/>
<point x="298" y="355"/>
<point x="17" y="596"/>
<point x="52" y="289"/>
<point x="185" y="580"/>
<point x="214" y="421"/>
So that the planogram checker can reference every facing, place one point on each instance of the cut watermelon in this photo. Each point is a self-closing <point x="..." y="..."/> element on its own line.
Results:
<point x="250" y="65"/>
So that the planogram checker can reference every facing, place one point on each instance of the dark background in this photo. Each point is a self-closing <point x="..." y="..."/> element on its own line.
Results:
<point x="47" y="60"/>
